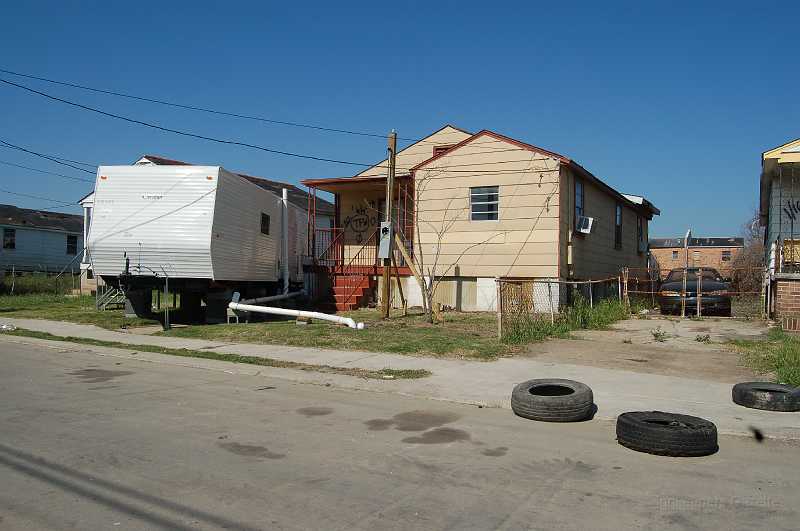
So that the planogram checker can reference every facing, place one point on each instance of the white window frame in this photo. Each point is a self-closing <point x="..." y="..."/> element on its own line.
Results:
<point x="473" y="202"/>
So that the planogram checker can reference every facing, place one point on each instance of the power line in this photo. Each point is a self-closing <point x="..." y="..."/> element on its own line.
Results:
<point x="89" y="164"/>
<point x="48" y="157"/>
<point x="183" y="133"/>
<point x="197" y="108"/>
<point x="65" y="203"/>
<point x="209" y="138"/>
<point x="45" y="171"/>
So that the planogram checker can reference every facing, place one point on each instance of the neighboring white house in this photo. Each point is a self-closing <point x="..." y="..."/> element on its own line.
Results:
<point x="37" y="240"/>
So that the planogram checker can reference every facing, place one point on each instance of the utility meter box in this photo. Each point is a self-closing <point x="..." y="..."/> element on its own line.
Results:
<point x="385" y="241"/>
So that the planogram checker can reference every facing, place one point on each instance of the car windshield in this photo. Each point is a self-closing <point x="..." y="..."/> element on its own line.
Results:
<point x="676" y="275"/>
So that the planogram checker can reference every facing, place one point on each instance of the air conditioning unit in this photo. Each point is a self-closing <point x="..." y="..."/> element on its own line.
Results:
<point x="584" y="224"/>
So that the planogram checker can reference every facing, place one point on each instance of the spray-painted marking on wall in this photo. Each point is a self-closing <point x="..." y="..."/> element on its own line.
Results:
<point x="360" y="220"/>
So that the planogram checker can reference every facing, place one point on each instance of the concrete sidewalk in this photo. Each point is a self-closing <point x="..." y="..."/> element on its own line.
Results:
<point x="473" y="382"/>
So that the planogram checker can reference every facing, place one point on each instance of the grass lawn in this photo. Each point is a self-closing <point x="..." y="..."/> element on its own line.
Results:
<point x="778" y="355"/>
<point x="464" y="335"/>
<point x="460" y="335"/>
<point x="382" y="374"/>
<point x="65" y="308"/>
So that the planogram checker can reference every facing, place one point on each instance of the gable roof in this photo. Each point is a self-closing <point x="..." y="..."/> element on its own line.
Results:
<point x="40" y="219"/>
<point x="446" y="129"/>
<point x="297" y="196"/>
<point x="771" y="164"/>
<point x="586" y="174"/>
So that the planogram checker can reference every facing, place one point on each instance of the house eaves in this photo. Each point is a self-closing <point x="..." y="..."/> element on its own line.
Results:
<point x="647" y="208"/>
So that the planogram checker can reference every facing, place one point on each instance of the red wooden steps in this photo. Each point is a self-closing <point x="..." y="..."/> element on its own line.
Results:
<point x="351" y="291"/>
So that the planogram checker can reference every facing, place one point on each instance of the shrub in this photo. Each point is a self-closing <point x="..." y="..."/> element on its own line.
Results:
<point x="29" y="283"/>
<point x="579" y="316"/>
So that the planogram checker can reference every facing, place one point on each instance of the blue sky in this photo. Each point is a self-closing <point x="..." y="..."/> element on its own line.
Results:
<point x="673" y="101"/>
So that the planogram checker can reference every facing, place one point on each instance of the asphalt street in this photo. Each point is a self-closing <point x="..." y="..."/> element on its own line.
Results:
<point x="90" y="441"/>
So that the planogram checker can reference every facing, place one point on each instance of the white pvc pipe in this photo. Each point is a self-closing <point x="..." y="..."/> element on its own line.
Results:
<point x="296" y="313"/>
<point x="271" y="298"/>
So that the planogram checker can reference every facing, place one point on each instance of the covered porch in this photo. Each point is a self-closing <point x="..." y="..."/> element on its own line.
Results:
<point x="346" y="253"/>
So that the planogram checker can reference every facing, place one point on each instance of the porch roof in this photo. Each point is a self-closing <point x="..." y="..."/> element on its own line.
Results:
<point x="351" y="184"/>
<point x="776" y="162"/>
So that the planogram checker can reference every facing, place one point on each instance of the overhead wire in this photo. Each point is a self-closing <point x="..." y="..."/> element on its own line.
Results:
<point x="45" y="171"/>
<point x="42" y="155"/>
<point x="191" y="134"/>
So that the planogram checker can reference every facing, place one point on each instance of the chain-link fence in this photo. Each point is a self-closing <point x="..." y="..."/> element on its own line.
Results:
<point x="696" y="291"/>
<point x="530" y="308"/>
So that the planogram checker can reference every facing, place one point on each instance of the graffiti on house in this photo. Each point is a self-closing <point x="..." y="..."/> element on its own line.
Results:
<point x="361" y="219"/>
<point x="793" y="209"/>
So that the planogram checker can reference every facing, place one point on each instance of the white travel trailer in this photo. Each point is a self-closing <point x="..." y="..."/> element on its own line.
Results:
<point x="206" y="231"/>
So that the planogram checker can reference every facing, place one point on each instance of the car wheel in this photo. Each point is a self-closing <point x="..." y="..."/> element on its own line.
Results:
<point x="672" y="434"/>
<point x="552" y="400"/>
<point x="766" y="395"/>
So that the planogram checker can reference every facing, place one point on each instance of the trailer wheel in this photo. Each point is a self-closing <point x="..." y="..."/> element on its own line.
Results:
<point x="767" y="396"/>
<point x="659" y="433"/>
<point x="552" y="400"/>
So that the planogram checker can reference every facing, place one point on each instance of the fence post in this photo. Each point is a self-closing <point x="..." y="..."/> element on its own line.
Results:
<point x="683" y="294"/>
<point x="699" y="294"/>
<point x="550" y="299"/>
<point x="591" y="302"/>
<point x="499" y="306"/>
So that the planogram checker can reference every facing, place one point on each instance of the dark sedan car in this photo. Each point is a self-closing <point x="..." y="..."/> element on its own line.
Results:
<point x="715" y="296"/>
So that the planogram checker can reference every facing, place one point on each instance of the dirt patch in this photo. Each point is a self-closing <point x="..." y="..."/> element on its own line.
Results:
<point x="413" y="421"/>
<point x="439" y="436"/>
<point x="630" y="345"/>
<point x="500" y="451"/>
<point x="93" y="376"/>
<point x="249" y="450"/>
<point x="315" y="411"/>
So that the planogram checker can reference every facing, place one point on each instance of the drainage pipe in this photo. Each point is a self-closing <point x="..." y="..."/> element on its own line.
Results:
<point x="296" y="313"/>
<point x="271" y="298"/>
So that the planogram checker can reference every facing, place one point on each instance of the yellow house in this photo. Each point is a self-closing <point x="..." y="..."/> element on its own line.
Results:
<point x="472" y="208"/>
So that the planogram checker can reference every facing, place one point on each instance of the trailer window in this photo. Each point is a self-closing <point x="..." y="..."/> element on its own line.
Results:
<point x="9" y="239"/>
<point x="72" y="244"/>
<point x="265" y="224"/>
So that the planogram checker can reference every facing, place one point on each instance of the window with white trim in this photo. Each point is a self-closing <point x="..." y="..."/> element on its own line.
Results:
<point x="484" y="203"/>
<point x="674" y="255"/>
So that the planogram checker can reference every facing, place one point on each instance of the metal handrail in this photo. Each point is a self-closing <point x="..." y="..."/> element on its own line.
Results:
<point x="356" y="256"/>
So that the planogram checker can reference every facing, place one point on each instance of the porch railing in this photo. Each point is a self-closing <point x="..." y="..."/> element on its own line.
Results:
<point x="353" y="274"/>
<point x="331" y="249"/>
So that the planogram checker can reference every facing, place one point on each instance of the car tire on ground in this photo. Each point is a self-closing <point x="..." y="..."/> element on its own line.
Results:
<point x="553" y="400"/>
<point x="767" y="396"/>
<point x="672" y="434"/>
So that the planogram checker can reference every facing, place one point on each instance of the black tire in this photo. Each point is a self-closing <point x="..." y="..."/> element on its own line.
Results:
<point x="659" y="433"/>
<point x="552" y="400"/>
<point x="767" y="396"/>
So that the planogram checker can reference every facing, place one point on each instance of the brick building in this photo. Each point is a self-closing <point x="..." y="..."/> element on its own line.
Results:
<point x="718" y="253"/>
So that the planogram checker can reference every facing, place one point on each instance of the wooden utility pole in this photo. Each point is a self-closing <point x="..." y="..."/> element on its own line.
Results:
<point x="387" y="262"/>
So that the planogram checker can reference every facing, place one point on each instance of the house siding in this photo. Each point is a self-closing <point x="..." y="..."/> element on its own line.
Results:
<point x="523" y="242"/>
<point x="416" y="153"/>
<point x="594" y="255"/>
<point x="40" y="250"/>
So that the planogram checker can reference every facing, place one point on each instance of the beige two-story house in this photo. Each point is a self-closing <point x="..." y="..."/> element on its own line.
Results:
<point x="472" y="208"/>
